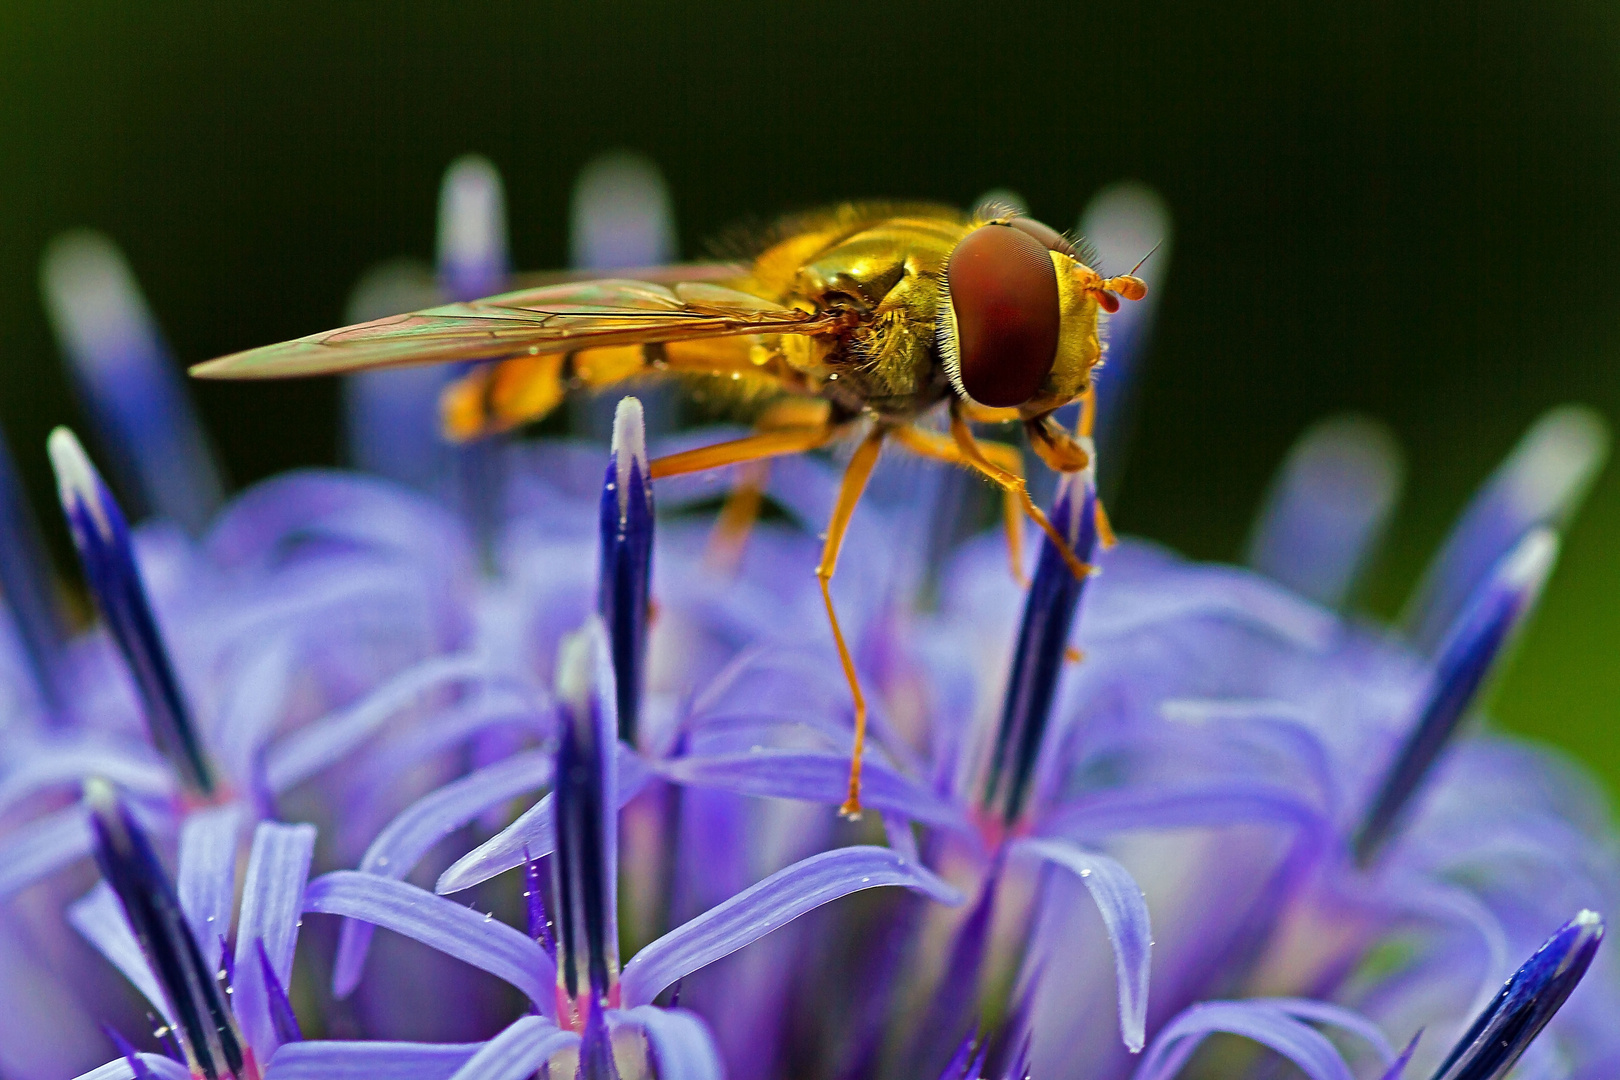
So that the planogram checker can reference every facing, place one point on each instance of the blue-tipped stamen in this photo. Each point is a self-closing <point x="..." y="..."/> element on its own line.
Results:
<point x="625" y="580"/>
<point x="207" y="1031"/>
<point x="1511" y="1022"/>
<point x="26" y="583"/>
<point x="127" y="1051"/>
<point x="584" y="866"/>
<point x="1470" y="653"/>
<point x="1542" y="482"/>
<point x="1124" y="222"/>
<point x="1328" y="507"/>
<point x="282" y="1017"/>
<point x="621" y="214"/>
<point x="128" y="382"/>
<point x="102" y="538"/>
<point x="1043" y="641"/>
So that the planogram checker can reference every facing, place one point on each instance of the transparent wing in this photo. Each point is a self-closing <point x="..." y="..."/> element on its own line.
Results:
<point x="560" y="318"/>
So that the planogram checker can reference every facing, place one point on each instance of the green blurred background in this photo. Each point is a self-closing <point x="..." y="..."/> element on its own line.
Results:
<point x="1407" y="210"/>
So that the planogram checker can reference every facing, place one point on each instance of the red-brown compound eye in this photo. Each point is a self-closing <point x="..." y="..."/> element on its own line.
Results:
<point x="1049" y="237"/>
<point x="1005" y="296"/>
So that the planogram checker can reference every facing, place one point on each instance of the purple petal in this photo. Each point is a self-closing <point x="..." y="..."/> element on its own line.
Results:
<point x="411" y="834"/>
<point x="255" y="702"/>
<point x="813" y="777"/>
<point x="206" y="881"/>
<point x="156" y="1064"/>
<point x="48" y="765"/>
<point x="1124" y="912"/>
<point x="678" y="1042"/>
<point x="1179" y="808"/>
<point x="131" y="387"/>
<point x="472" y="230"/>
<point x="1542" y="482"/>
<point x="1259" y="1020"/>
<point x="758" y="910"/>
<point x="272" y="900"/>
<point x="532" y="835"/>
<point x="99" y="917"/>
<point x="320" y="744"/>
<point x="333" y="1060"/>
<point x="620" y="215"/>
<point x="1327" y="508"/>
<point x="1322" y="1012"/>
<point x="36" y="850"/>
<point x="440" y="924"/>
<point x="518" y="1052"/>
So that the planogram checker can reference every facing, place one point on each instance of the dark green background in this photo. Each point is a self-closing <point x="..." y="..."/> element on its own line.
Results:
<point x="1409" y="210"/>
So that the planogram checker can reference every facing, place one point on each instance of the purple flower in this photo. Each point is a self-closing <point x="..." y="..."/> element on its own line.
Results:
<point x="579" y="763"/>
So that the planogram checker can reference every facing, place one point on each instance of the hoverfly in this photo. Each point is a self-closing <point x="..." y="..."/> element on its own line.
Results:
<point x="863" y="314"/>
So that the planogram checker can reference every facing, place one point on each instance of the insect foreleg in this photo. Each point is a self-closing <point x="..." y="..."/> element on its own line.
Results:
<point x="856" y="474"/>
<point x="1012" y="480"/>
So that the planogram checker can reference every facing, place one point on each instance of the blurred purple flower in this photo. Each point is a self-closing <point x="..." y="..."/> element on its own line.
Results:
<point x="1333" y="857"/>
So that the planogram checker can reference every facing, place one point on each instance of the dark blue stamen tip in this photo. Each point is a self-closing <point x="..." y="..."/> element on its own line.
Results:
<point x="623" y="592"/>
<point x="282" y="1017"/>
<point x="102" y="538"/>
<point x="207" y="1032"/>
<point x="957" y="1067"/>
<point x="584" y="867"/>
<point x="1471" y="651"/>
<point x="1511" y="1022"/>
<point x="1043" y="639"/>
<point x="534" y="894"/>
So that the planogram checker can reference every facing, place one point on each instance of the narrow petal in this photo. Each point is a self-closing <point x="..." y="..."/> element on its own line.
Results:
<point x="412" y="834"/>
<point x="1542" y="482"/>
<point x="812" y="777"/>
<point x="1322" y="1012"/>
<point x="322" y="743"/>
<point x="1204" y="805"/>
<point x="130" y="384"/>
<point x="472" y="230"/>
<point x="678" y="1041"/>
<point x="155" y="1064"/>
<point x="440" y="924"/>
<point x="758" y="910"/>
<point x="1125" y="915"/>
<point x="206" y="878"/>
<point x="336" y="1060"/>
<point x="1257" y="1019"/>
<point x="102" y="539"/>
<point x="533" y="834"/>
<point x="34" y="851"/>
<point x="1535" y="993"/>
<point x="282" y="1018"/>
<point x="272" y="900"/>
<point x="1470" y="653"/>
<point x="99" y="919"/>
<point x="28" y="583"/>
<point x="49" y="765"/>
<point x="621" y="214"/>
<point x="518" y="1052"/>
<point x="1328" y="507"/>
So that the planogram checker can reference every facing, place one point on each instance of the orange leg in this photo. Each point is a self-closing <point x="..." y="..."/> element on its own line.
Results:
<point x="765" y="444"/>
<point x="935" y="447"/>
<point x="1011" y="480"/>
<point x="849" y="494"/>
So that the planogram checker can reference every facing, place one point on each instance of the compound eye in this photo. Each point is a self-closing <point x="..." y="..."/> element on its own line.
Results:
<point x="1004" y="294"/>
<point x="1049" y="237"/>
